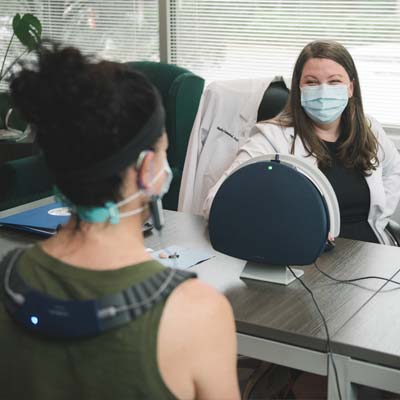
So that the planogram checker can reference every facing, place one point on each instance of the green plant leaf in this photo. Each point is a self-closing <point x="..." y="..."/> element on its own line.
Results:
<point x="28" y="30"/>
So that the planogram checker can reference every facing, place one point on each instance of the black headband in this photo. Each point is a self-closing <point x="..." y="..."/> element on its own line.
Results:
<point x="124" y="157"/>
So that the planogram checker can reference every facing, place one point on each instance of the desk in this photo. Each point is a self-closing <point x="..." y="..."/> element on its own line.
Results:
<point x="281" y="324"/>
<point x="368" y="346"/>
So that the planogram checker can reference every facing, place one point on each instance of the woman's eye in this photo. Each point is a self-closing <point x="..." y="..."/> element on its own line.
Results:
<point x="335" y="82"/>
<point x="311" y="83"/>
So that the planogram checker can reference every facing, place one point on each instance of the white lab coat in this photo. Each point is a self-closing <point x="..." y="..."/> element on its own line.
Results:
<point x="384" y="182"/>
<point x="227" y="112"/>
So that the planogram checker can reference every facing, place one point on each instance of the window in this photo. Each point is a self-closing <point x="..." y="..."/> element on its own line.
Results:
<point x="228" y="39"/>
<point x="119" y="29"/>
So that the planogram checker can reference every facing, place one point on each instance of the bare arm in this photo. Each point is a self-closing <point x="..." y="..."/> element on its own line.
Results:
<point x="197" y="344"/>
<point x="215" y="371"/>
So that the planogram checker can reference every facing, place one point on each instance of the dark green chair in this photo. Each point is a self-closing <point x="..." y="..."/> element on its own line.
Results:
<point x="24" y="179"/>
<point x="181" y="91"/>
<point x="27" y="179"/>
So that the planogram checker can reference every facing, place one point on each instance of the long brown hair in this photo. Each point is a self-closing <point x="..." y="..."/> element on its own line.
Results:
<point x="358" y="145"/>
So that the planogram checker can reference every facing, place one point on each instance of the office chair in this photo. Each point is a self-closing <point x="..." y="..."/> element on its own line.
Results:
<point x="181" y="91"/>
<point x="24" y="180"/>
<point x="27" y="179"/>
<point x="393" y="228"/>
<point x="273" y="101"/>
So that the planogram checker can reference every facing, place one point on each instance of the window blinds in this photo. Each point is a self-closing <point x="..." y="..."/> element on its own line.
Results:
<point x="229" y="39"/>
<point x="124" y="30"/>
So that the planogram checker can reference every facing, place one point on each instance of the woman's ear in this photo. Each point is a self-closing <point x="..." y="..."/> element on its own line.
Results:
<point x="144" y="171"/>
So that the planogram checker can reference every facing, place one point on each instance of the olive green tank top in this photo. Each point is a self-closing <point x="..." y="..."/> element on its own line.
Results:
<point x="118" y="364"/>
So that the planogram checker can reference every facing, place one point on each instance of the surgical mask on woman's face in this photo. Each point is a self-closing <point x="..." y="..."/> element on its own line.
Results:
<point x="167" y="180"/>
<point x="110" y="213"/>
<point x="324" y="103"/>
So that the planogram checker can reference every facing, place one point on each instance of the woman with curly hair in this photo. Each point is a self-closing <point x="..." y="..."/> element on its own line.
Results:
<point x="152" y="332"/>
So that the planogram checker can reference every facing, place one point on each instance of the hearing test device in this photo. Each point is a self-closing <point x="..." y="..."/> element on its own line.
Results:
<point x="278" y="211"/>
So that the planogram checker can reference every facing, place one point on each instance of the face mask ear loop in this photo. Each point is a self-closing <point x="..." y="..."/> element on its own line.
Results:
<point x="141" y="158"/>
<point x="158" y="176"/>
<point x="130" y="198"/>
<point x="133" y="212"/>
<point x="135" y="195"/>
<point x="153" y="179"/>
<point x="150" y="192"/>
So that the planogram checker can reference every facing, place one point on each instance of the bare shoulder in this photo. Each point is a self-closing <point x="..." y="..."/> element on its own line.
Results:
<point x="202" y="299"/>
<point x="197" y="336"/>
<point x="194" y="308"/>
<point x="207" y="340"/>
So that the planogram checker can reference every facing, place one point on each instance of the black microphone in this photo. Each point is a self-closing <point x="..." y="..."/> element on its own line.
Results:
<point x="157" y="212"/>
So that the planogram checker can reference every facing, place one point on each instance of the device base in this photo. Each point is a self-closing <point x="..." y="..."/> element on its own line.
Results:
<point x="279" y="274"/>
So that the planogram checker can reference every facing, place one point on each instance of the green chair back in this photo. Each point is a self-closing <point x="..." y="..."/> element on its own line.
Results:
<point x="28" y="179"/>
<point x="181" y="91"/>
<point x="24" y="180"/>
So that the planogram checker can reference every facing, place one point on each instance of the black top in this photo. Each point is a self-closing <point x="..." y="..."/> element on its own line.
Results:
<point x="353" y="196"/>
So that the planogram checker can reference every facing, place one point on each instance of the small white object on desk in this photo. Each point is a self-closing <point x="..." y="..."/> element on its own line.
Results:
<point x="181" y="257"/>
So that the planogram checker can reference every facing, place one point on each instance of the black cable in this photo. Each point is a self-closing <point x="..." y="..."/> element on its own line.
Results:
<point x="328" y="338"/>
<point x="341" y="281"/>
<point x="354" y="279"/>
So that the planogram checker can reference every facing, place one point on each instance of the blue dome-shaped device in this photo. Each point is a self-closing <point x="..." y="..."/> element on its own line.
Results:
<point x="269" y="212"/>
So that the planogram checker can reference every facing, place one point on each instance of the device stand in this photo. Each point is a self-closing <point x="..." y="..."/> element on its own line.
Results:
<point x="270" y="273"/>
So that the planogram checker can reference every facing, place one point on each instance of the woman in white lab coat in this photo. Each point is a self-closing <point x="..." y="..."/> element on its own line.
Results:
<point x="324" y="124"/>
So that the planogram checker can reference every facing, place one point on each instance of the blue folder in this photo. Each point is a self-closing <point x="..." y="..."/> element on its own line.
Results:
<point x="42" y="220"/>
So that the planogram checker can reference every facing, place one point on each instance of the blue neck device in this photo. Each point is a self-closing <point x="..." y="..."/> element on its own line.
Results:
<point x="52" y="317"/>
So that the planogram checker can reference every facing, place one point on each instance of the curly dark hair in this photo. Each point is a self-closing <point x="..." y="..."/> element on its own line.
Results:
<point x="83" y="111"/>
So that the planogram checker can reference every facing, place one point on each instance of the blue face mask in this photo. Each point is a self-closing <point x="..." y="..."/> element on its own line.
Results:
<point x="324" y="103"/>
<point x="109" y="212"/>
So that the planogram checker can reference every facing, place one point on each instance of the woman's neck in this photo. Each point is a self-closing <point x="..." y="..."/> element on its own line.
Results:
<point x="328" y="132"/>
<point x="99" y="246"/>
